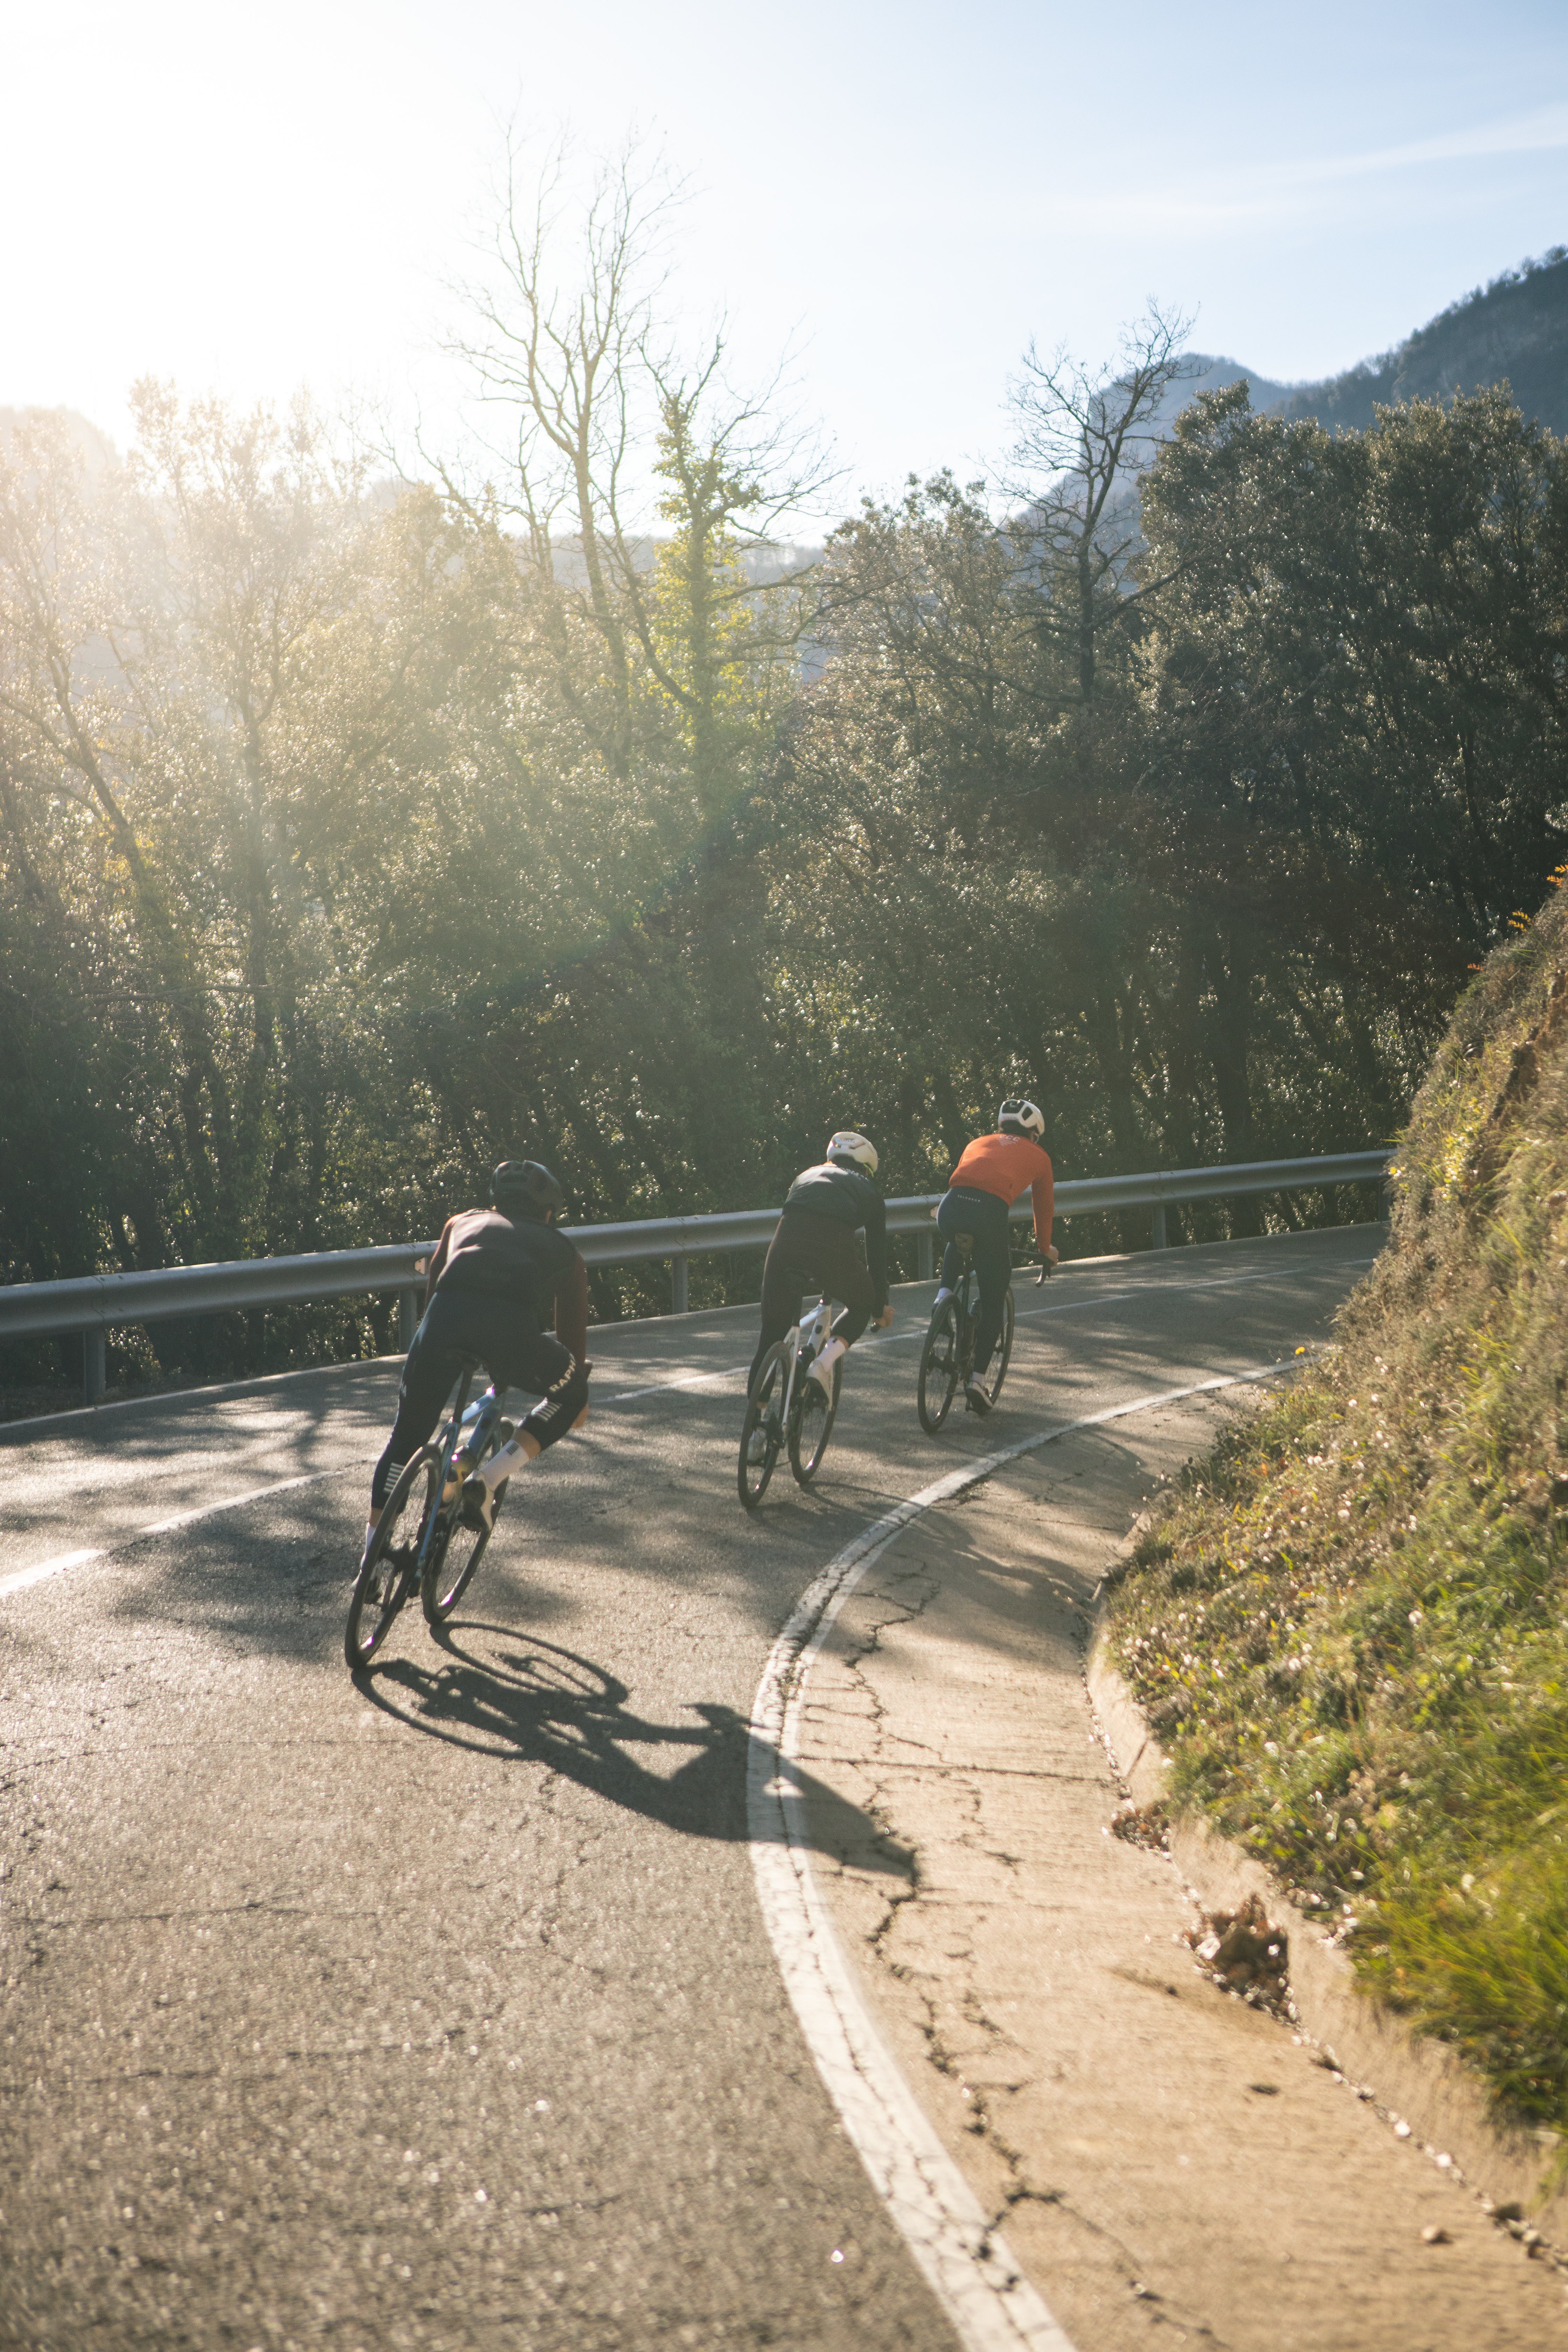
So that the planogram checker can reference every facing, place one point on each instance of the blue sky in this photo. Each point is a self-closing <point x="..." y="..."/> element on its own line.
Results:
<point x="246" y="200"/>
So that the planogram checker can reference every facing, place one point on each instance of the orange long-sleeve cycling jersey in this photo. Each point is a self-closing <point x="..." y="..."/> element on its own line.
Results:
<point x="1008" y="1165"/>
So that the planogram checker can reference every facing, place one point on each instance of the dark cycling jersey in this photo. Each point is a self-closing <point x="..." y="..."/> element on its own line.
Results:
<point x="530" y="1267"/>
<point x="852" y="1199"/>
<point x="490" y="1285"/>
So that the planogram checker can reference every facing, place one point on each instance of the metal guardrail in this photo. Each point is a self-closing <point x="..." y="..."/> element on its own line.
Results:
<point x="93" y="1304"/>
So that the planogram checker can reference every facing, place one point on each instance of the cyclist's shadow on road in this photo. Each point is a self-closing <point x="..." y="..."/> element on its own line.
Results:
<point x="504" y="1694"/>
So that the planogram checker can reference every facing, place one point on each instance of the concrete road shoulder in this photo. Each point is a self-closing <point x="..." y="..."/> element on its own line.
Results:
<point x="1162" y="2157"/>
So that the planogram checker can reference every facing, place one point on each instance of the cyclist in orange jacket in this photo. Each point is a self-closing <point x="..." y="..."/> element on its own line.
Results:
<point x="993" y="1170"/>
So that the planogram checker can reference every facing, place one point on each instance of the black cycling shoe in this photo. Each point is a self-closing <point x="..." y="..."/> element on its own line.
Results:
<point x="976" y="1400"/>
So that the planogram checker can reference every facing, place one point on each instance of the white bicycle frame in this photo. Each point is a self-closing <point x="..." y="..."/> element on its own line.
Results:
<point x="817" y="1331"/>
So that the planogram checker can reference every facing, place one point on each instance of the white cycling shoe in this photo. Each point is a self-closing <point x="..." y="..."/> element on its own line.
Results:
<point x="820" y="1369"/>
<point x="477" y="1507"/>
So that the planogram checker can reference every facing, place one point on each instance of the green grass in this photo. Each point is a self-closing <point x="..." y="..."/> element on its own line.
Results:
<point x="1349" y="1624"/>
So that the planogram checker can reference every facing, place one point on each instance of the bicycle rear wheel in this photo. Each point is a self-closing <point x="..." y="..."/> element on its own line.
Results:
<point x="762" y="1415"/>
<point x="389" y="1571"/>
<point x="1001" y="1356"/>
<point x="939" y="1369"/>
<point x="811" y="1420"/>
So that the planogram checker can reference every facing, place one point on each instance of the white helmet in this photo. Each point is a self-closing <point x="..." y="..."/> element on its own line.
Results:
<point x="848" y="1150"/>
<point x="1018" y="1117"/>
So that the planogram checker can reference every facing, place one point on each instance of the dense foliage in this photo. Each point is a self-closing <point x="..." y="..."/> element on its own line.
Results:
<point x="1513" y="330"/>
<point x="1350" y="1624"/>
<point x="353" y="834"/>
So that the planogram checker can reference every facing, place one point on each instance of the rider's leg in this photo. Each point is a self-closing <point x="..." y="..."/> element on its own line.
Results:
<point x="431" y="1366"/>
<point x="844" y="1277"/>
<point x="963" y="1211"/>
<point x="993" y="1267"/>
<point x="781" y="1295"/>
<point x="952" y="1219"/>
<point x="560" y="1381"/>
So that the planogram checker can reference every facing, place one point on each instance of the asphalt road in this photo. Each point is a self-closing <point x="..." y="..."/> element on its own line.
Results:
<point x="440" y="2013"/>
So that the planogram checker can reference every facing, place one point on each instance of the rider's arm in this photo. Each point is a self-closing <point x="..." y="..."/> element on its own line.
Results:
<point x="1042" y="1191"/>
<point x="572" y="1308"/>
<point x="876" y="1251"/>
<point x="437" y="1262"/>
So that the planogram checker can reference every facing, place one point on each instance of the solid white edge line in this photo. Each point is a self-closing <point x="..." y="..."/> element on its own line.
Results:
<point x="969" y="2266"/>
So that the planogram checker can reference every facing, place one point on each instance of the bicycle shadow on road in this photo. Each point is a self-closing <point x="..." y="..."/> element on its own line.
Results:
<point x="506" y="1694"/>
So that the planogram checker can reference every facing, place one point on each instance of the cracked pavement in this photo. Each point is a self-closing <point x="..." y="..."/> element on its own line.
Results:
<point x="441" y="2014"/>
<point x="1169" y="2166"/>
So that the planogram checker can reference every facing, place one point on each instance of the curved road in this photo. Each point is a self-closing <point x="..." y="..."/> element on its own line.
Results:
<point x="441" y="2013"/>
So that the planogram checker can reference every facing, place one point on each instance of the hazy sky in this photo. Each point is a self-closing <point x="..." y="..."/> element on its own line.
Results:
<point x="245" y="198"/>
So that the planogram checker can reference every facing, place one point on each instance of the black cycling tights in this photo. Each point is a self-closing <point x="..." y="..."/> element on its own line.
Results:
<point x="460" y="1324"/>
<point x="985" y="1216"/>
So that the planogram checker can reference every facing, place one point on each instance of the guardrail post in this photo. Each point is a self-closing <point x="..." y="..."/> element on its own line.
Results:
<point x="1157" y="1227"/>
<point x="407" y="1318"/>
<point x="677" y="1286"/>
<point x="93" y="1369"/>
<point x="925" y="1254"/>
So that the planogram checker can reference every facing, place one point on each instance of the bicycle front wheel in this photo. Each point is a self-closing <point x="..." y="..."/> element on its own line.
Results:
<point x="811" y="1422"/>
<point x="390" y="1567"/>
<point x="939" y="1369"/>
<point x="454" y="1554"/>
<point x="762" y="1432"/>
<point x="1002" y="1354"/>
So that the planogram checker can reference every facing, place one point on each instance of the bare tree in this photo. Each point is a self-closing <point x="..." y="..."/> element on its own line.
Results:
<point x="611" y="436"/>
<point x="1084" y="437"/>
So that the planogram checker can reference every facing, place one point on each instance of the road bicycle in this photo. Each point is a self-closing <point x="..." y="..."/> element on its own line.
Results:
<point x="787" y="1406"/>
<point x="947" y="1359"/>
<point x="420" y="1541"/>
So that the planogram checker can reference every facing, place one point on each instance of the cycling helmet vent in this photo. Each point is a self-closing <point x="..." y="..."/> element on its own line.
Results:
<point x="525" y="1188"/>
<point x="848" y="1150"/>
<point x="1020" y="1116"/>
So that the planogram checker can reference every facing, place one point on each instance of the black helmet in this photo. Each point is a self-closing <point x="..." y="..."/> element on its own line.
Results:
<point x="1018" y="1117"/>
<point x="525" y="1188"/>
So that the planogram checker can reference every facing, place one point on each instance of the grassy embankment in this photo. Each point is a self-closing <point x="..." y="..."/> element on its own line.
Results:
<point x="1348" y="1625"/>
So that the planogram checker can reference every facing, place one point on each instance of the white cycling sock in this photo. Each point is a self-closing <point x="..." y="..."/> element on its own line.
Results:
<point x="501" y="1465"/>
<point x="370" y="1534"/>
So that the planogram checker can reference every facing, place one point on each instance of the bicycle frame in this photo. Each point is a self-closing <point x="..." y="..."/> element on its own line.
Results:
<point x="455" y="1435"/>
<point x="816" y="1332"/>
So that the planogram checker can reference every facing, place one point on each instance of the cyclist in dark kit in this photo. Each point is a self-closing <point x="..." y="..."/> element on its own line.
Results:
<point x="494" y="1275"/>
<point x="815" y="1243"/>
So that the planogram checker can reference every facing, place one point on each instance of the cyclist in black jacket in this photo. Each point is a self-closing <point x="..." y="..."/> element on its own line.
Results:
<point x="826" y="1206"/>
<point x="495" y="1275"/>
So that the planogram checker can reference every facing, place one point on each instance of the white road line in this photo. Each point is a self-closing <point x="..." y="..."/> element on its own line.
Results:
<point x="21" y="1578"/>
<point x="663" y="1388"/>
<point x="1024" y="1314"/>
<point x="233" y="1502"/>
<point x="991" y="2305"/>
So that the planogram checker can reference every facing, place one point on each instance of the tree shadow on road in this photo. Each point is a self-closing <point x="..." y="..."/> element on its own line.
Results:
<point x="503" y="1693"/>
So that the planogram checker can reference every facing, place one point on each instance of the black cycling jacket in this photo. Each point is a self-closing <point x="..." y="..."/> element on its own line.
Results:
<point x="531" y="1266"/>
<point x="852" y="1199"/>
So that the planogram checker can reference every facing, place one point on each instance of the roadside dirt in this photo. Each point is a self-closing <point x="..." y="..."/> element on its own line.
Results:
<point x="1170" y="2164"/>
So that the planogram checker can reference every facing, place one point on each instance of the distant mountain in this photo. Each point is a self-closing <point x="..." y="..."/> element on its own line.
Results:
<point x="1514" y="331"/>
